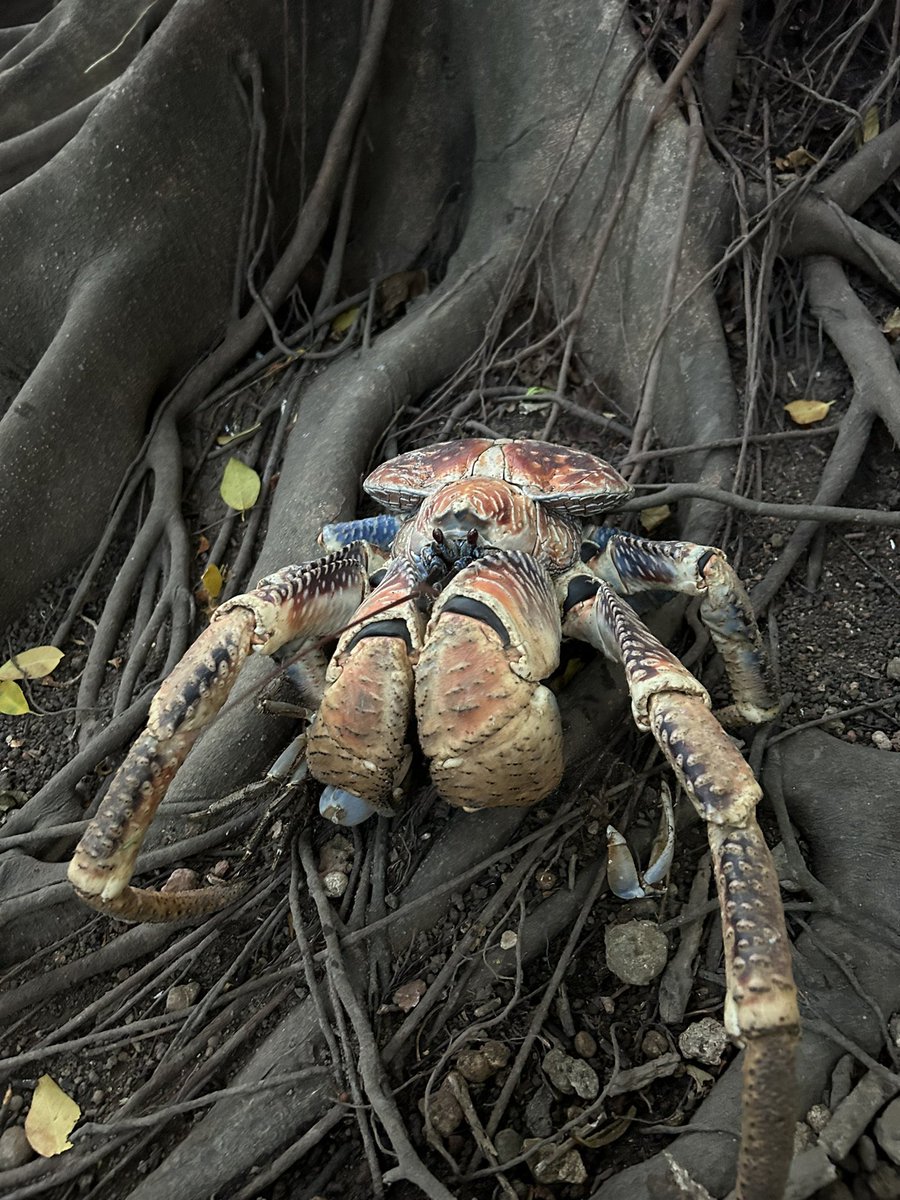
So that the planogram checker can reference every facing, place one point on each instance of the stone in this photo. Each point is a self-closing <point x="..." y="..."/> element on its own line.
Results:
<point x="887" y="1131"/>
<point x="537" y="1113"/>
<point x="335" y="884"/>
<point x="14" y="1148"/>
<point x="182" y="996"/>
<point x="892" y="670"/>
<point x="704" y="1041"/>
<point x="551" y="1166"/>
<point x="182" y="879"/>
<point x="570" y="1075"/>
<point x="881" y="740"/>
<point x="818" y="1117"/>
<point x="585" y="1045"/>
<point x="654" y="1044"/>
<point x="636" y="952"/>
<point x="508" y="1144"/>
<point x="444" y="1110"/>
<point x="336" y="855"/>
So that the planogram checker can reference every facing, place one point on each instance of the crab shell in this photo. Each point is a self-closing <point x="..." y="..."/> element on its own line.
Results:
<point x="579" y="484"/>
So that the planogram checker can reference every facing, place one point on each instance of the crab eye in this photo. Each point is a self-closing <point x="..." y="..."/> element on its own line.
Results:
<point x="472" y="537"/>
<point x="438" y="535"/>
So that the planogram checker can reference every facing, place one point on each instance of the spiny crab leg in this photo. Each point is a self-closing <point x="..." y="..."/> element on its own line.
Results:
<point x="761" y="1001"/>
<point x="632" y="564"/>
<point x="622" y="874"/>
<point x="313" y="600"/>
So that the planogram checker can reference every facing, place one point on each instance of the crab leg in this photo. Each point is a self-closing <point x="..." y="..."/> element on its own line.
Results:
<point x="633" y="564"/>
<point x="761" y="1001"/>
<point x="312" y="600"/>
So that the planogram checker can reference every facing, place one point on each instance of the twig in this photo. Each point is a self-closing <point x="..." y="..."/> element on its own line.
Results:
<point x="670" y="493"/>
<point x="409" y="1166"/>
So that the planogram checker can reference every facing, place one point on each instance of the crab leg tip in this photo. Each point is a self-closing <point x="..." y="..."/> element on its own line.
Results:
<point x="621" y="871"/>
<point x="343" y="808"/>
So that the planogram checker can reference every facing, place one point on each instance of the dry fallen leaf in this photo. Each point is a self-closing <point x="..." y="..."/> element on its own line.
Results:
<point x="651" y="517"/>
<point x="795" y="160"/>
<point x="50" y="1119"/>
<point x="240" y="485"/>
<point x="408" y="995"/>
<point x="35" y="663"/>
<point x="807" y="412"/>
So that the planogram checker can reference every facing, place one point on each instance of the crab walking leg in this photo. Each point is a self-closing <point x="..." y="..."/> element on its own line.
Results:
<point x="633" y="564"/>
<point x="312" y="600"/>
<point x="761" y="1001"/>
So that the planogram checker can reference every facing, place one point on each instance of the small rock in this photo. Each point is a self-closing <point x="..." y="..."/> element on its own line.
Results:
<point x="654" y="1044"/>
<point x="704" y="1041"/>
<point x="508" y="939"/>
<point x="881" y="740"/>
<point x="545" y="880"/>
<point x="841" y="1080"/>
<point x="474" y="1066"/>
<point x="16" y="1103"/>
<point x="887" y="1131"/>
<point x="636" y="951"/>
<point x="336" y="855"/>
<point x="182" y="996"/>
<point x="571" y="1075"/>
<point x="97" y="1096"/>
<point x="444" y="1110"/>
<point x="496" y="1053"/>
<point x="776" y="541"/>
<point x="585" y="1044"/>
<point x="182" y="879"/>
<point x="818" y="1117"/>
<point x="537" y="1113"/>
<point x="549" y="1166"/>
<point x="14" y="1148"/>
<point x="508" y="1144"/>
<point x="335" y="884"/>
<point x="892" y="670"/>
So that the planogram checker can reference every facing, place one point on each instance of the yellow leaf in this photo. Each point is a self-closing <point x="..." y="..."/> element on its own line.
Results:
<point x="871" y="125"/>
<point x="344" y="320"/>
<point x="212" y="581"/>
<point x="32" y="664"/>
<point x="807" y="412"/>
<point x="651" y="517"/>
<point x="240" y="485"/>
<point x="50" y="1119"/>
<point x="891" y="326"/>
<point x="12" y="700"/>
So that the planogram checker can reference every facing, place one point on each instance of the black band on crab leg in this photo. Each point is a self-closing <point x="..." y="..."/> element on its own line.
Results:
<point x="313" y="600"/>
<point x="761" y="1001"/>
<point x="632" y="564"/>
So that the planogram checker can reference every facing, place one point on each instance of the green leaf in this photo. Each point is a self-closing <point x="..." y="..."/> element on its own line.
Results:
<point x="32" y="664"/>
<point x="12" y="700"/>
<point x="240" y="485"/>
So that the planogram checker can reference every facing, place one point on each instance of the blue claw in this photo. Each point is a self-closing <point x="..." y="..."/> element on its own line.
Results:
<point x="343" y="808"/>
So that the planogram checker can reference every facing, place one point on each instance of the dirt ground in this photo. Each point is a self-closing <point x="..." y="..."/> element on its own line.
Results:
<point x="836" y="640"/>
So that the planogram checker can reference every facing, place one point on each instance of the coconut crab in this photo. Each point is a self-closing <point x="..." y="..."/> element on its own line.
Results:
<point x="448" y="615"/>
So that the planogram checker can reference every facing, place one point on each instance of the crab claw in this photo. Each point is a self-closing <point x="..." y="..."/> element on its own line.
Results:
<point x="623" y="876"/>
